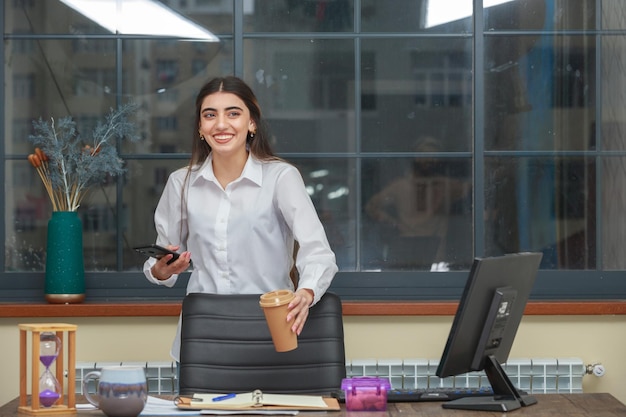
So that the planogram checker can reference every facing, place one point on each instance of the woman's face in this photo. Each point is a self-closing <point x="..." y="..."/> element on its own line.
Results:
<point x="225" y="122"/>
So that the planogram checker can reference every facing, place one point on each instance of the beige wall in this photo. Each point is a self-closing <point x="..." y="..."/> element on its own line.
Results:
<point x="591" y="338"/>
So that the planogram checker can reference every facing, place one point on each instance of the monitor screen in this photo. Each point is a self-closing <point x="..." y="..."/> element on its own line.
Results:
<point x="484" y="327"/>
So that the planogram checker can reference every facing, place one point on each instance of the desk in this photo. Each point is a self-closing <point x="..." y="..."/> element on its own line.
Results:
<point x="549" y="405"/>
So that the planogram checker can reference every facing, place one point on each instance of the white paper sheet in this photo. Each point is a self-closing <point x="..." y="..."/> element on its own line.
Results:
<point x="246" y="400"/>
<point x="258" y="412"/>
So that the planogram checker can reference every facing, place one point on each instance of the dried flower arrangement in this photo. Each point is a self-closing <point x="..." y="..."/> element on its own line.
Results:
<point x="68" y="166"/>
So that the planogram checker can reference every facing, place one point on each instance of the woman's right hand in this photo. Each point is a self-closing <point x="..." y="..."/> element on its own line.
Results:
<point x="162" y="271"/>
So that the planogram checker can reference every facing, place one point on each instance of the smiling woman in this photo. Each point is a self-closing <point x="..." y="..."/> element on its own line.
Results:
<point x="241" y="210"/>
<point x="225" y="125"/>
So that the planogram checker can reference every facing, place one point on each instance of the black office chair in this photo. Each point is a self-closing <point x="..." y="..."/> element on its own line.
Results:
<point x="226" y="347"/>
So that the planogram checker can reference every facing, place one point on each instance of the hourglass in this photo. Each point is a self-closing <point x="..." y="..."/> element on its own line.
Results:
<point x="47" y="396"/>
<point x="49" y="388"/>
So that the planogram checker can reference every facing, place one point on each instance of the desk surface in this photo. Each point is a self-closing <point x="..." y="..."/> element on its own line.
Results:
<point x="549" y="405"/>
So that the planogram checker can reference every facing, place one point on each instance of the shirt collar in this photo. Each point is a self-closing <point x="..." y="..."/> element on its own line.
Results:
<point x="252" y="171"/>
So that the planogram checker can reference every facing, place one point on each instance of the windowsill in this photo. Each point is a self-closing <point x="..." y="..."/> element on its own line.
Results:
<point x="350" y="308"/>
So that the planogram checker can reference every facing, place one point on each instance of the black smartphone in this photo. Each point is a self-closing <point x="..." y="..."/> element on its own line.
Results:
<point x="156" y="251"/>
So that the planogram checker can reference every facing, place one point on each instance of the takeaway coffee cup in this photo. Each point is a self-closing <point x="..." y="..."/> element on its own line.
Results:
<point x="275" y="304"/>
<point x="122" y="390"/>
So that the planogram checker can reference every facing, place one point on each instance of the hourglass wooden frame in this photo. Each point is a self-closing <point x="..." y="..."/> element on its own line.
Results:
<point x="66" y="403"/>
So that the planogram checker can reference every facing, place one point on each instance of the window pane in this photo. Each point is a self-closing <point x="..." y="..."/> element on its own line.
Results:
<point x="32" y="16"/>
<point x="417" y="212"/>
<point x="100" y="216"/>
<point x="613" y="13"/>
<point x="331" y="185"/>
<point x="28" y="208"/>
<point x="537" y="15"/>
<point x="124" y="17"/>
<point x="56" y="80"/>
<point x="613" y="127"/>
<point x="614" y="206"/>
<point x="214" y="16"/>
<point x="305" y="88"/>
<point x="542" y="204"/>
<point x="299" y="16"/>
<point x="425" y="91"/>
<point x="540" y="92"/>
<point x="439" y="16"/>
<point x="142" y="191"/>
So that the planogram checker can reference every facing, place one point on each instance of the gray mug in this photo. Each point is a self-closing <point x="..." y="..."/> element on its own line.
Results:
<point x="122" y="390"/>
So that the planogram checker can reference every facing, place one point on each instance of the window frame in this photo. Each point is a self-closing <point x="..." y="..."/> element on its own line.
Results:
<point x="358" y="286"/>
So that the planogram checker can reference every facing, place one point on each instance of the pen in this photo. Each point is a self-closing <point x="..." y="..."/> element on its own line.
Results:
<point x="224" y="397"/>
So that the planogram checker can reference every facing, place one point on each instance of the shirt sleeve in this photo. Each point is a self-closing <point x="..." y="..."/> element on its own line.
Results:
<point x="170" y="222"/>
<point x="315" y="260"/>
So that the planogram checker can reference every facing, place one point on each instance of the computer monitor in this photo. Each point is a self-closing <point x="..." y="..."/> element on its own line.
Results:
<point x="484" y="327"/>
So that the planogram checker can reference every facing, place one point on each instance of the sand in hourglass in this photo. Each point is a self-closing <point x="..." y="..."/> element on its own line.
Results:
<point x="49" y="388"/>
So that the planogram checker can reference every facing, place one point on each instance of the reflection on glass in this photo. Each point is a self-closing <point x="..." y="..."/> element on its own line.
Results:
<point x="421" y="217"/>
<point x="440" y="12"/>
<point x="548" y="14"/>
<point x="82" y="84"/>
<point x="613" y="126"/>
<point x="542" y="204"/>
<point x="299" y="16"/>
<point x="331" y="186"/>
<point x="439" y="16"/>
<point x="99" y="215"/>
<point x="518" y="14"/>
<point x="539" y="95"/>
<point x="35" y="17"/>
<point x="425" y="91"/>
<point x="613" y="208"/>
<point x="613" y="13"/>
<point x="145" y="183"/>
<point x="140" y="17"/>
<point x="306" y="90"/>
<point x="28" y="206"/>
<point x="109" y="17"/>
<point x="539" y="92"/>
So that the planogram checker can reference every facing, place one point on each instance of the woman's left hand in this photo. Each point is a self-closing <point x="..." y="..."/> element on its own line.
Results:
<point x="299" y="309"/>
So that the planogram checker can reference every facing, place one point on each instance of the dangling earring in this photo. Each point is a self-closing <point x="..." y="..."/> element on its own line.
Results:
<point x="252" y="133"/>
<point x="201" y="135"/>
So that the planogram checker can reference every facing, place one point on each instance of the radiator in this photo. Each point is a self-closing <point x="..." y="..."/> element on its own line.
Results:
<point x="550" y="375"/>
<point x="162" y="376"/>
<point x="536" y="376"/>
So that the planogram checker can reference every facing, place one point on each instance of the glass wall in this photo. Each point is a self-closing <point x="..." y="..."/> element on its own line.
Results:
<point x="427" y="134"/>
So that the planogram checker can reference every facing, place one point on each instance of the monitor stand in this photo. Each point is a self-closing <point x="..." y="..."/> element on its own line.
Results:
<point x="505" y="396"/>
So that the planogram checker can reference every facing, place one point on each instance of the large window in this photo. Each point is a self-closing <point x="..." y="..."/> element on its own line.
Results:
<point x="428" y="133"/>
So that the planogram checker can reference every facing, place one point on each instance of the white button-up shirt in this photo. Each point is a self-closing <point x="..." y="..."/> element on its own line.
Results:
<point x="241" y="238"/>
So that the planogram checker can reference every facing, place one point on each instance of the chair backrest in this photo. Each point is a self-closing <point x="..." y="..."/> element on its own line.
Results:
<point x="226" y="347"/>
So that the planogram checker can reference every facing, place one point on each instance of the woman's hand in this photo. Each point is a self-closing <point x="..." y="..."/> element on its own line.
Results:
<point x="162" y="271"/>
<point x="299" y="309"/>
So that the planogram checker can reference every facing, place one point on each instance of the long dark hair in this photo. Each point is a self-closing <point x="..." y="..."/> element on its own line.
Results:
<point x="258" y="145"/>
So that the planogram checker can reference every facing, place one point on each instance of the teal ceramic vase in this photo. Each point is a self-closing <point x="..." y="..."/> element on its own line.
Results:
<point x="65" y="268"/>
